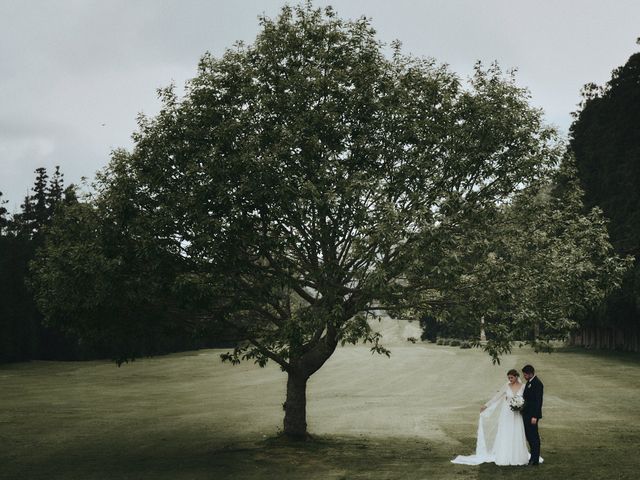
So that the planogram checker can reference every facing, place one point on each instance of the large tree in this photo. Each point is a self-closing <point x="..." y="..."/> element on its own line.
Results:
<point x="301" y="183"/>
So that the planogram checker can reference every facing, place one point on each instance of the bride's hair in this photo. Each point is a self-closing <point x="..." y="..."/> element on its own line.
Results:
<point x="513" y="372"/>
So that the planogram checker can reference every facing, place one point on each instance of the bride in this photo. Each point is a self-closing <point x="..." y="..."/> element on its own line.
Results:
<point x="504" y="441"/>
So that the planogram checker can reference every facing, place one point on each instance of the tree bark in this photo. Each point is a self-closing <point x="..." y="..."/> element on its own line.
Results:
<point x="300" y="370"/>
<point x="295" y="406"/>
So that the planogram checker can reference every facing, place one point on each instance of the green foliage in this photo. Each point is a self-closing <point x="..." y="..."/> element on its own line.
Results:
<point x="454" y="320"/>
<point x="305" y="181"/>
<point x="607" y="149"/>
<point x="606" y="145"/>
<point x="23" y="335"/>
<point x="538" y="263"/>
<point x="308" y="171"/>
<point x="100" y="279"/>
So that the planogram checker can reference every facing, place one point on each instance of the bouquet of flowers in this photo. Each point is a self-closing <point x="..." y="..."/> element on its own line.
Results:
<point x="516" y="403"/>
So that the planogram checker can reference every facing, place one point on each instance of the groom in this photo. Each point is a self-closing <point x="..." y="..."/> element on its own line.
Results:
<point x="532" y="411"/>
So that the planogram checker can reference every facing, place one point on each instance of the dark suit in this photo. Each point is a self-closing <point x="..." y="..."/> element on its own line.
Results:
<point x="532" y="395"/>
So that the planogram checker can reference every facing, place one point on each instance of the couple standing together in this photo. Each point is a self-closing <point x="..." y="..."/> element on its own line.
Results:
<point x="508" y="421"/>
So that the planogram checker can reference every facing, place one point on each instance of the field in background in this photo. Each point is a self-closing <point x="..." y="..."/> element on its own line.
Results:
<point x="188" y="416"/>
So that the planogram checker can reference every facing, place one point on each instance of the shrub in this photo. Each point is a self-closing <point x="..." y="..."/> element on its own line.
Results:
<point x="455" y="343"/>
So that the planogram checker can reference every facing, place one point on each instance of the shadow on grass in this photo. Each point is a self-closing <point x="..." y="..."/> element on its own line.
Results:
<point x="326" y="457"/>
<point x="271" y="458"/>
<point x="613" y="355"/>
<point x="182" y="455"/>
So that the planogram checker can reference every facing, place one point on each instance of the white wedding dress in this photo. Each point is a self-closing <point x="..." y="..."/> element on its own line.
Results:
<point x="501" y="437"/>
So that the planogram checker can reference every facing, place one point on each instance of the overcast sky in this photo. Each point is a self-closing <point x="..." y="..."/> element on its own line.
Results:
<point x="75" y="73"/>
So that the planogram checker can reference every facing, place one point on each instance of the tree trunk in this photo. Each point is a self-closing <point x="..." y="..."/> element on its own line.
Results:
<point x="299" y="371"/>
<point x="295" y="407"/>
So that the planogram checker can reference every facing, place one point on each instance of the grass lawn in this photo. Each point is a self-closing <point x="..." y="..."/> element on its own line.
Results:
<point x="188" y="416"/>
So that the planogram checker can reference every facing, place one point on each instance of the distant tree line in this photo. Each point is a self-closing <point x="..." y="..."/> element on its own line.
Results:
<point x="605" y="140"/>
<point x="24" y="334"/>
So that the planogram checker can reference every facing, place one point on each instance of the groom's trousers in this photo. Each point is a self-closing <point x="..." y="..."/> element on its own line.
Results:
<point x="533" y="437"/>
